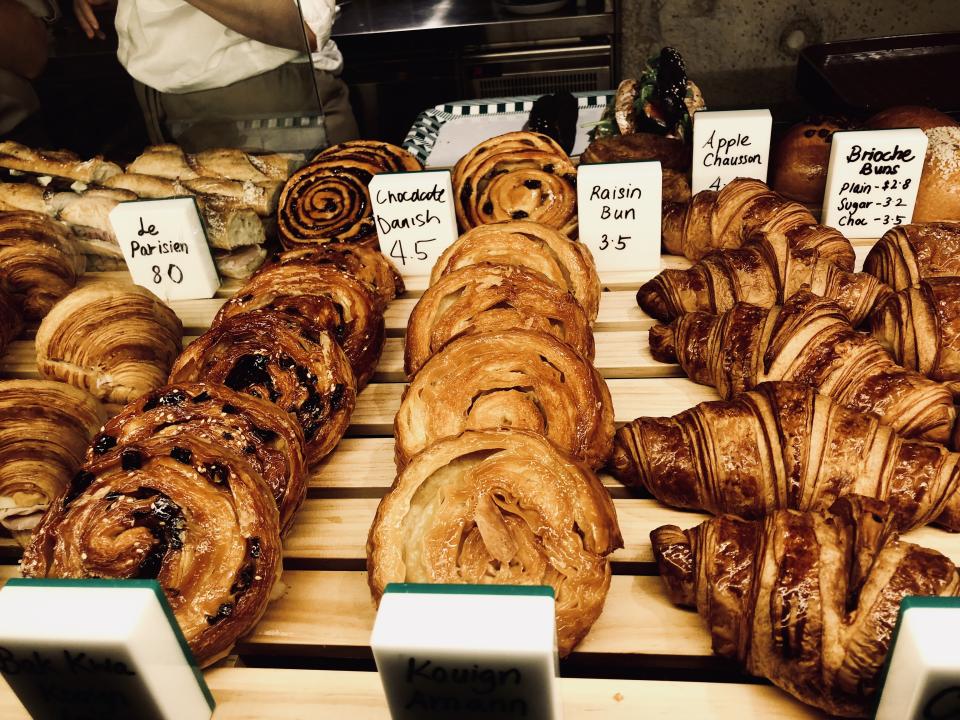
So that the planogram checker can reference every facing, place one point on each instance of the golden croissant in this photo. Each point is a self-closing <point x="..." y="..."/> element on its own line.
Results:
<point x="907" y="254"/>
<point x="806" y="600"/>
<point x="784" y="446"/>
<point x="807" y="340"/>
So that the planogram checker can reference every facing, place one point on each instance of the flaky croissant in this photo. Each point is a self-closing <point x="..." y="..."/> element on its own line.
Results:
<point x="727" y="219"/>
<point x="11" y="319"/>
<point x="807" y="340"/>
<point x="516" y="378"/>
<point x="115" y="341"/>
<point x="765" y="272"/>
<point x="487" y="298"/>
<point x="907" y="254"/>
<point x="499" y="507"/>
<point x="784" y="446"/>
<point x="807" y="600"/>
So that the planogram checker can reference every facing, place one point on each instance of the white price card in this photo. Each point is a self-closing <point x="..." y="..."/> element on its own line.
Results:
<point x="467" y="652"/>
<point x="730" y="144"/>
<point x="105" y="649"/>
<point x="415" y="217"/>
<point x="166" y="248"/>
<point x="872" y="180"/>
<point x="618" y="209"/>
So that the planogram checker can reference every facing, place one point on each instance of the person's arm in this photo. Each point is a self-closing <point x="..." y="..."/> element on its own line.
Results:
<point x="274" y="22"/>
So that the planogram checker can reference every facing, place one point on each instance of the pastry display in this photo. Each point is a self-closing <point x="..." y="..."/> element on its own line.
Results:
<point x="45" y="428"/>
<point x="806" y="600"/>
<point x="784" y="446"/>
<point x="11" y="319"/>
<point x="367" y="264"/>
<point x="523" y="379"/>
<point x="807" y="340"/>
<point x="516" y="176"/>
<point x="61" y="163"/>
<point x="389" y="158"/>
<point x="251" y="427"/>
<point x="801" y="157"/>
<point x="907" y="254"/>
<point x="171" y="162"/>
<point x="729" y="218"/>
<point x="499" y="507"/>
<point x="567" y="264"/>
<point x="277" y="357"/>
<point x="765" y="272"/>
<point x="115" y="341"/>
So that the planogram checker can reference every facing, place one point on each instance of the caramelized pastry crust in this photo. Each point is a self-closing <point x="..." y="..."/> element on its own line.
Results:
<point x="907" y="254"/>
<point x="389" y="158"/>
<point x="499" y="507"/>
<point x="367" y="264"/>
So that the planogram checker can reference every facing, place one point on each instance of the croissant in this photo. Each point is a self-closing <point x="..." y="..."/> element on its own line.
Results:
<point x="11" y="319"/>
<point x="367" y="264"/>
<point x="907" y="254"/>
<point x="39" y="261"/>
<point x="44" y="430"/>
<point x="807" y="600"/>
<point x="389" y="158"/>
<point x="325" y="298"/>
<point x="256" y="429"/>
<point x="61" y="163"/>
<point x="765" y="272"/>
<point x="513" y="509"/>
<point x="569" y="265"/>
<point x="807" y="340"/>
<point x="727" y="219"/>
<point x="179" y="508"/>
<point x="487" y="298"/>
<point x="517" y="378"/>
<point x="115" y="341"/>
<point x="516" y="176"/>
<point x="275" y="356"/>
<point x="783" y="446"/>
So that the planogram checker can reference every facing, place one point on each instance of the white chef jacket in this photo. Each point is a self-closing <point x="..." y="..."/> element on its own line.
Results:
<point x="173" y="47"/>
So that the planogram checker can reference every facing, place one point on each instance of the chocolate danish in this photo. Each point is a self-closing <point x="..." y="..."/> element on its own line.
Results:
<point x="367" y="264"/>
<point x="389" y="158"/>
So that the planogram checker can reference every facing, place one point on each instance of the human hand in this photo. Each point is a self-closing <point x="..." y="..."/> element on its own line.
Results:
<point x="87" y="19"/>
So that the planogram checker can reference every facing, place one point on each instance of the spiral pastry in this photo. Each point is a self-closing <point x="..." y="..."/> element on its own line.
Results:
<point x="275" y="356"/>
<point x="569" y="265"/>
<point x="389" y="158"/>
<point x="367" y="264"/>
<point x="39" y="261"/>
<point x="249" y="427"/>
<point x="328" y="201"/>
<point x="499" y="507"/>
<point x="11" y="321"/>
<point x="178" y="508"/>
<point x="325" y="298"/>
<point x="516" y="176"/>
<point x="115" y="341"/>
<point x="521" y="379"/>
<point x="45" y="428"/>
<point x="488" y="298"/>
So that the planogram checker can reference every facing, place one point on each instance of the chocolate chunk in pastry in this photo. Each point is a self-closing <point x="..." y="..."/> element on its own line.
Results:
<point x="907" y="254"/>
<point x="11" y="319"/>
<point x="487" y="298"/>
<point x="180" y="509"/>
<point x="499" y="507"/>
<point x="389" y="158"/>
<point x="256" y="429"/>
<point x="277" y="357"/>
<point x="801" y="157"/>
<point x="516" y="379"/>
<point x="115" y="341"/>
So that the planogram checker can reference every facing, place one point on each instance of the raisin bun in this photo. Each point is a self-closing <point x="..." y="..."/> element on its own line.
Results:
<point x="801" y="158"/>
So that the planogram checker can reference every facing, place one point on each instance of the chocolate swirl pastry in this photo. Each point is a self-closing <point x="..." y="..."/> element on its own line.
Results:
<point x="255" y="429"/>
<point x="45" y="428"/>
<point x="807" y="600"/>
<point x="324" y="298"/>
<point x="116" y="341"/>
<point x="277" y="357"/>
<point x="567" y="264"/>
<point x="389" y="157"/>
<point x="907" y="254"/>
<point x="516" y="176"/>
<point x="367" y="264"/>
<point x="181" y="509"/>
<point x="11" y="320"/>
<point x="499" y="507"/>
<point x="39" y="261"/>
<point x="521" y="379"/>
<point x="488" y="298"/>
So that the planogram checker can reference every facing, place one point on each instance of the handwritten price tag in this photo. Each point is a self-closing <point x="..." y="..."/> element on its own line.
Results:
<point x="618" y="207"/>
<point x="872" y="180"/>
<point x="728" y="144"/>
<point x="165" y="248"/>
<point x="415" y="218"/>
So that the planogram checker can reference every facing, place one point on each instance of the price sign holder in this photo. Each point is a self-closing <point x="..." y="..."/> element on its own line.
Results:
<point x="165" y="247"/>
<point x="467" y="652"/>
<point x="921" y="679"/>
<point x="415" y="218"/>
<point x="872" y="180"/>
<point x="728" y="144"/>
<point x="618" y="212"/>
<point x="105" y="649"/>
